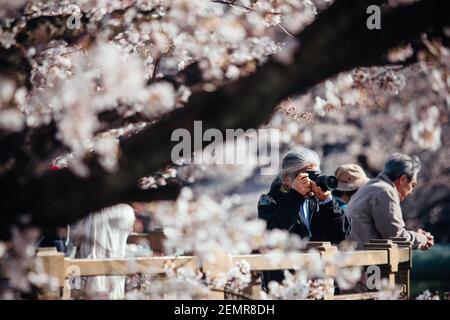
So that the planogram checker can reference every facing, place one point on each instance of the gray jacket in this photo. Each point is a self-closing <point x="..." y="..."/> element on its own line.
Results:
<point x="375" y="213"/>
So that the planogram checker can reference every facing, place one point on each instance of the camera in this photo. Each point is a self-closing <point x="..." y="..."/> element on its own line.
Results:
<point x="326" y="183"/>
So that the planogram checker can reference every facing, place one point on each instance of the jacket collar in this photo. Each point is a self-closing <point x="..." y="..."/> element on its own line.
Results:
<point x="278" y="187"/>
<point x="383" y="176"/>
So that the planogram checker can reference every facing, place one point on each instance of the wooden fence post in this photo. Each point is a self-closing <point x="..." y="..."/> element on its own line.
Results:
<point x="220" y="263"/>
<point x="327" y="252"/>
<point x="387" y="271"/>
<point x="254" y="289"/>
<point x="54" y="266"/>
<point x="402" y="277"/>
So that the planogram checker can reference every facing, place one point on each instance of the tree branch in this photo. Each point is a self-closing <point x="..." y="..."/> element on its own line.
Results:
<point x="337" y="41"/>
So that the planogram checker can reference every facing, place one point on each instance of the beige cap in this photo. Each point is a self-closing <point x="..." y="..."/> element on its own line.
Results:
<point x="350" y="177"/>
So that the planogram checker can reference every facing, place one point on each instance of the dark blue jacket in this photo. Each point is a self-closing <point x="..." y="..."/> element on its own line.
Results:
<point x="280" y="209"/>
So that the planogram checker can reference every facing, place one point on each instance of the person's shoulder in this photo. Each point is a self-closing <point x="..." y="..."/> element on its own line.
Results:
<point x="266" y="206"/>
<point x="266" y="200"/>
<point x="271" y="199"/>
<point x="378" y="192"/>
<point x="383" y="188"/>
<point x="375" y="187"/>
<point x="342" y="204"/>
<point x="380" y="182"/>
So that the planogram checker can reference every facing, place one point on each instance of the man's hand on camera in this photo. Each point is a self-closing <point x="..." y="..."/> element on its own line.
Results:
<point x="319" y="193"/>
<point x="302" y="184"/>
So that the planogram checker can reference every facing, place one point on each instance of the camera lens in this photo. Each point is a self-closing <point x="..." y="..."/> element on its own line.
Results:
<point x="327" y="183"/>
<point x="332" y="182"/>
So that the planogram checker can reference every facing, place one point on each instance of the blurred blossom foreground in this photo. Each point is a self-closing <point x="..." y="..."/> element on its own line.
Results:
<point x="91" y="92"/>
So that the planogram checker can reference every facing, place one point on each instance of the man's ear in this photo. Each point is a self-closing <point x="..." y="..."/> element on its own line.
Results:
<point x="398" y="182"/>
<point x="404" y="179"/>
<point x="401" y="181"/>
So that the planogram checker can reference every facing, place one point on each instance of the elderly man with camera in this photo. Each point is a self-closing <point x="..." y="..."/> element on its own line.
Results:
<point x="300" y="201"/>
<point x="375" y="209"/>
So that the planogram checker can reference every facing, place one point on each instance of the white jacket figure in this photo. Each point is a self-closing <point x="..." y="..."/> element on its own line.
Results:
<point x="104" y="235"/>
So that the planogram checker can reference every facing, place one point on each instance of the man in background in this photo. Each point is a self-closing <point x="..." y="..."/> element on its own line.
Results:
<point x="375" y="209"/>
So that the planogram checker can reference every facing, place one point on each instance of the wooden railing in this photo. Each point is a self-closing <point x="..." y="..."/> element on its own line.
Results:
<point x="392" y="255"/>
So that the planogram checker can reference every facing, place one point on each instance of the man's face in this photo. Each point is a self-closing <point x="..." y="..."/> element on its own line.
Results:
<point x="309" y="167"/>
<point x="405" y="186"/>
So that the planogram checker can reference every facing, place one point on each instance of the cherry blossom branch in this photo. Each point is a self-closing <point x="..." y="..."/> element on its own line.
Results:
<point x="242" y="296"/>
<point x="337" y="41"/>
<point x="40" y="31"/>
